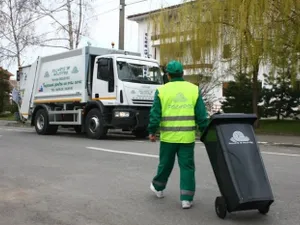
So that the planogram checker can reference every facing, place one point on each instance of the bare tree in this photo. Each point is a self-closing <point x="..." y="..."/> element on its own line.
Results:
<point x="208" y="83"/>
<point x="69" y="23"/>
<point x="16" y="28"/>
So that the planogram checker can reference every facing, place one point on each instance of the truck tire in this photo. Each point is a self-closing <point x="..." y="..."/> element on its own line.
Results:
<point x="41" y="123"/>
<point x="94" y="125"/>
<point x="52" y="129"/>
<point x="143" y="133"/>
<point x="77" y="129"/>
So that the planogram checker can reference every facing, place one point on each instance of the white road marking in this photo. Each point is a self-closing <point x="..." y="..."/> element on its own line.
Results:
<point x="20" y="130"/>
<point x="262" y="142"/>
<point x="156" y="156"/>
<point x="17" y="129"/>
<point x="122" y="152"/>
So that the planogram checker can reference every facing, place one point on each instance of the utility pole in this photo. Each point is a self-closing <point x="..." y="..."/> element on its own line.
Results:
<point x="121" y="24"/>
<point x="122" y="21"/>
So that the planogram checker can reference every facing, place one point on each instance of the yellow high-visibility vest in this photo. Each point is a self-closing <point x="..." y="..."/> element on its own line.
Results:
<point x="178" y="101"/>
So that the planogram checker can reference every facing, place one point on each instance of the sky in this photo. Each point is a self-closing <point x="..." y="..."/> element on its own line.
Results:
<point x="103" y="27"/>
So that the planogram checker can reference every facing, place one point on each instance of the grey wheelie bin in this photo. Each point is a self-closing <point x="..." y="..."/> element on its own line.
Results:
<point x="237" y="164"/>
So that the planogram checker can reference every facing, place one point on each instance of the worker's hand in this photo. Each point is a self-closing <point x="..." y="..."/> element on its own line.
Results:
<point x="152" y="137"/>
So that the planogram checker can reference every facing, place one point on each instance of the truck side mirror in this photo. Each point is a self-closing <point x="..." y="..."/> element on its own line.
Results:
<point x="18" y="75"/>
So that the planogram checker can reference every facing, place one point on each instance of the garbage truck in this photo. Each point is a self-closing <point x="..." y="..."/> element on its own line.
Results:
<point x="90" y="89"/>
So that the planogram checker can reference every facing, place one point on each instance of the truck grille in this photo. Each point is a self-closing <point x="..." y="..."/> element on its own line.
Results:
<point x="142" y="102"/>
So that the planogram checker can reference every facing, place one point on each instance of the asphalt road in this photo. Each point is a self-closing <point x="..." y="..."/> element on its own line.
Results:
<point x="70" y="180"/>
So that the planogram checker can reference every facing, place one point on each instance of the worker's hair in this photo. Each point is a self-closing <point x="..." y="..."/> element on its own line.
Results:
<point x="175" y="75"/>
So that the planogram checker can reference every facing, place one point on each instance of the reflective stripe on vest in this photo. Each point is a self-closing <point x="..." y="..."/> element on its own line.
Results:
<point x="175" y="118"/>
<point x="178" y="100"/>
<point x="178" y="128"/>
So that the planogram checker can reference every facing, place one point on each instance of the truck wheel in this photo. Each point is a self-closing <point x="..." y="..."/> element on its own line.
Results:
<point x="52" y="129"/>
<point x="41" y="123"/>
<point x="77" y="129"/>
<point x="94" y="124"/>
<point x="140" y="133"/>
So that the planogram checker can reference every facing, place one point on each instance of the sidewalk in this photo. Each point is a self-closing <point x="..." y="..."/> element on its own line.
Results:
<point x="13" y="123"/>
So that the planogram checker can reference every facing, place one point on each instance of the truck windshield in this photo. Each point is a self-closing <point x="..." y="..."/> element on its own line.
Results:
<point x="136" y="73"/>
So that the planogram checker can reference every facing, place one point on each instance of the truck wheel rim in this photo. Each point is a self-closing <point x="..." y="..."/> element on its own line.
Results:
<point x="40" y="122"/>
<point x="94" y="124"/>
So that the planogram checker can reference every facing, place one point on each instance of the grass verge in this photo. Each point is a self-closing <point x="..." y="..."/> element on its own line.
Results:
<point x="8" y="117"/>
<point x="281" y="127"/>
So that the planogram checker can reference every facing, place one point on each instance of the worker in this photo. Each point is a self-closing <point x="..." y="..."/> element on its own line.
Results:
<point x="177" y="109"/>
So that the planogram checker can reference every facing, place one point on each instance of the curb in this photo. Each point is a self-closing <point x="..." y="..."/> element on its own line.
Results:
<point x="259" y="142"/>
<point x="19" y="124"/>
<point x="279" y="144"/>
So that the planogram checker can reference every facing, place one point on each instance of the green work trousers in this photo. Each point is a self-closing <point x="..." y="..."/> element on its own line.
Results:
<point x="185" y="154"/>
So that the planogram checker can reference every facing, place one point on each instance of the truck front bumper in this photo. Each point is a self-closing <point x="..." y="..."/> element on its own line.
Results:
<point x="130" y="118"/>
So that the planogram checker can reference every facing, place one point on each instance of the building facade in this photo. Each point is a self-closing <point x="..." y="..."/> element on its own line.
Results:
<point x="150" y="45"/>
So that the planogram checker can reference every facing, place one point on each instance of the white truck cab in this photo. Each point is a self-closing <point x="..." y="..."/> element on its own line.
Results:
<point x="91" y="89"/>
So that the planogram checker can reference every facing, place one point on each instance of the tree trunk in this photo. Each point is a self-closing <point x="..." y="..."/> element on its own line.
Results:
<point x="1" y="104"/>
<point x="78" y="32"/>
<point x="13" y="27"/>
<point x="255" y="93"/>
<point x="70" y="25"/>
<point x="278" y="113"/>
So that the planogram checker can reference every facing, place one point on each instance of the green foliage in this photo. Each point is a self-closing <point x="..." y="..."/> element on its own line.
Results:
<point x="4" y="91"/>
<point x="250" y="32"/>
<point x="13" y="108"/>
<point x="279" y="98"/>
<point x="238" y="95"/>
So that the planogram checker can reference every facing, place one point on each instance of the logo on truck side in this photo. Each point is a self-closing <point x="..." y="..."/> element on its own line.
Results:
<point x="238" y="137"/>
<point x="75" y="70"/>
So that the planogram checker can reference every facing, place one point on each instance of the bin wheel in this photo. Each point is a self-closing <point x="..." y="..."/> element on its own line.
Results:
<point x="264" y="210"/>
<point x="221" y="207"/>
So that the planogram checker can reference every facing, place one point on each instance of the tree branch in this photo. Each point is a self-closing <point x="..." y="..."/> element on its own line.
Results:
<point x="54" y="46"/>
<point x="56" y="39"/>
<point x="50" y="12"/>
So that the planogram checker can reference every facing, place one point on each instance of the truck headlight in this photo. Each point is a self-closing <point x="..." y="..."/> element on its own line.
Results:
<point x="122" y="114"/>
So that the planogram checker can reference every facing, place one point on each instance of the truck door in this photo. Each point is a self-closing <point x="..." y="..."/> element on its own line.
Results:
<point x="104" y="81"/>
<point x="27" y="84"/>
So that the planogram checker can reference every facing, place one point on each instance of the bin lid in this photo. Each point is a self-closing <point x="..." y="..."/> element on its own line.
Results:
<point x="225" y="118"/>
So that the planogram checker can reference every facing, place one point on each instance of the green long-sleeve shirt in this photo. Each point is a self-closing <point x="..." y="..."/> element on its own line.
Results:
<point x="156" y="112"/>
